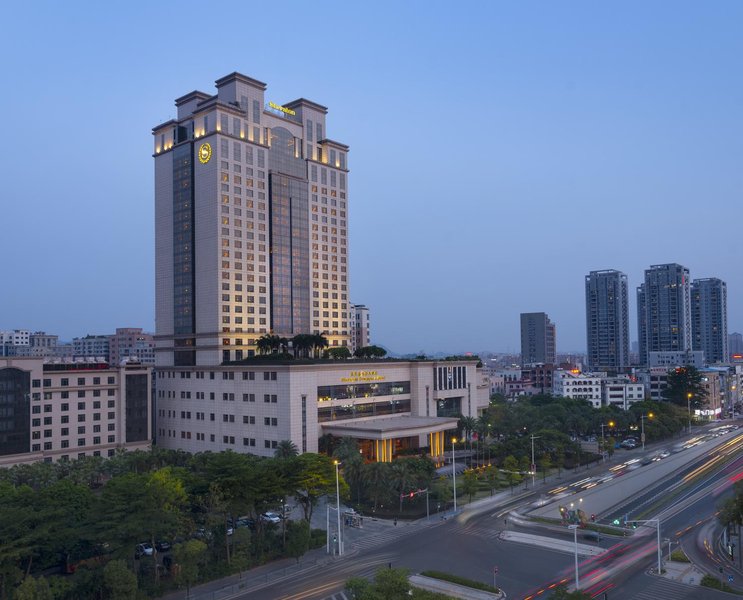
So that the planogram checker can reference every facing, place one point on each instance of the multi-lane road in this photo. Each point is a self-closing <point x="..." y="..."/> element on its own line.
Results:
<point x="472" y="548"/>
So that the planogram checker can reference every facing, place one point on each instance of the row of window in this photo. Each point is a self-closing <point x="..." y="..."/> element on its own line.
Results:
<point x="80" y="443"/>
<point x="226" y="439"/>
<point x="81" y="418"/>
<point x="64" y="407"/>
<point x="65" y="381"/>
<point x="64" y="395"/>
<point x="35" y="435"/>
<point x="226" y="375"/>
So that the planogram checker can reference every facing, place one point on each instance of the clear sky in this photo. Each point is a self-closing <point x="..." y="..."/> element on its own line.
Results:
<point x="499" y="151"/>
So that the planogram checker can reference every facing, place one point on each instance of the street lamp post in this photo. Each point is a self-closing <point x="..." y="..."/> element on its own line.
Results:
<point x="454" y="471"/>
<point x="688" y="406"/>
<point x="642" y="423"/>
<point x="533" y="463"/>
<point x="338" y="504"/>
<point x="603" y="442"/>
<point x="575" y="536"/>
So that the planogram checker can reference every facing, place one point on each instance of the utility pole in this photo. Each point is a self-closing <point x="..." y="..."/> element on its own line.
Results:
<point x="533" y="463"/>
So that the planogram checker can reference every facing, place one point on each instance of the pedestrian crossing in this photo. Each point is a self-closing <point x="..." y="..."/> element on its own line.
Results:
<point x="373" y="540"/>
<point x="665" y="589"/>
<point x="338" y="596"/>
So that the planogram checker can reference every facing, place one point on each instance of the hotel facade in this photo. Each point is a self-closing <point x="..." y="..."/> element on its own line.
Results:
<point x="251" y="226"/>
<point x="57" y="409"/>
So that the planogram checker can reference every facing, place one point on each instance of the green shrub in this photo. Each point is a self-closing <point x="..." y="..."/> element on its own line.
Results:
<point x="679" y="556"/>
<point x="460" y="581"/>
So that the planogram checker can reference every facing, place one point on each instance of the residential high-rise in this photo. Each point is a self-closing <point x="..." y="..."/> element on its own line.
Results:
<point x="664" y="310"/>
<point x="251" y="225"/>
<point x="735" y="344"/>
<point x="709" y="319"/>
<point x="360" y="335"/>
<point x="607" y="320"/>
<point x="538" y="339"/>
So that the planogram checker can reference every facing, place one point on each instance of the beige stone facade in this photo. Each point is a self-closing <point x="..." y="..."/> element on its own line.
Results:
<point x="53" y="409"/>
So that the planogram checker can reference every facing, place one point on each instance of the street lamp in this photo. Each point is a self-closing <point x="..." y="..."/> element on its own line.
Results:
<point x="575" y="536"/>
<point x="454" y="471"/>
<point x="642" y="424"/>
<point x="603" y="443"/>
<point x="338" y="504"/>
<point x="688" y="406"/>
<point x="533" y="464"/>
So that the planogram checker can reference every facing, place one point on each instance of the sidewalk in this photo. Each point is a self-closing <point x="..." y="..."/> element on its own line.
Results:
<point x="682" y="572"/>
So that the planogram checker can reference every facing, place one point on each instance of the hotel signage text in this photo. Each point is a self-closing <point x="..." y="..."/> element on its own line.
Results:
<point x="282" y="109"/>
<point x="362" y="377"/>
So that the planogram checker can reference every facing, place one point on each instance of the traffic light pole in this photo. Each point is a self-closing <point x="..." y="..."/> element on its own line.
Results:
<point x="657" y="524"/>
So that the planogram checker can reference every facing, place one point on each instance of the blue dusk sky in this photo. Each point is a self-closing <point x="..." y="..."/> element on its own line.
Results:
<point x="499" y="151"/>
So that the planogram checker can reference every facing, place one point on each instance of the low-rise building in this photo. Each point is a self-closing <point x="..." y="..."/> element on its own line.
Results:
<point x="388" y="405"/>
<point x="52" y="409"/>
<point x="622" y="391"/>
<point x="131" y="342"/>
<point x="93" y="346"/>
<point x="673" y="359"/>
<point x="582" y="386"/>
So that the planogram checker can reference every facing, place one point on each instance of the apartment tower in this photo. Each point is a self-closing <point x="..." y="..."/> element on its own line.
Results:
<point x="250" y="225"/>
<point x="664" y="310"/>
<point x="709" y="319"/>
<point x="538" y="339"/>
<point x="607" y="320"/>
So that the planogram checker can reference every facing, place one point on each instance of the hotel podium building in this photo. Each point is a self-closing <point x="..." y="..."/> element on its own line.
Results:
<point x="251" y="228"/>
<point x="57" y="409"/>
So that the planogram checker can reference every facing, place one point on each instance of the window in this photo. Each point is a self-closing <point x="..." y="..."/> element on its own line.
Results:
<point x="81" y="381"/>
<point x="248" y="397"/>
<point x="249" y="419"/>
<point x="64" y="382"/>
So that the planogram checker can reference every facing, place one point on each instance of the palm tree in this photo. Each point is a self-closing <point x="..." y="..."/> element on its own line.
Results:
<point x="264" y="344"/>
<point x="319" y="342"/>
<point x="286" y="449"/>
<point x="301" y="344"/>
<point x="402" y="474"/>
<point x="377" y="479"/>
<point x="468" y="425"/>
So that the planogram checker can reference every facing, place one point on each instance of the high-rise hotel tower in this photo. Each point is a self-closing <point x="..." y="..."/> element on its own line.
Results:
<point x="251" y="205"/>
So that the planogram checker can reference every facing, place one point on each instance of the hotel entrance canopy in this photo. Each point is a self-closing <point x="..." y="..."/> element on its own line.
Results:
<point x="384" y="431"/>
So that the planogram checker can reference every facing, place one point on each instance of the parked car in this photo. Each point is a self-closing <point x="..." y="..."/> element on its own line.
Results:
<point x="163" y="546"/>
<point x="270" y="517"/>
<point x="245" y="522"/>
<point x="143" y="549"/>
<point x="629" y="444"/>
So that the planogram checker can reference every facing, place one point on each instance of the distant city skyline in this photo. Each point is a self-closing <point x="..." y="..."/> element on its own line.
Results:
<point x="592" y="140"/>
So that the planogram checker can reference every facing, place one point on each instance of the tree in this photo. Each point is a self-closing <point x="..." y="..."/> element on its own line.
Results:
<point x="491" y="476"/>
<point x="33" y="589"/>
<point x="315" y="478"/>
<point x="525" y="467"/>
<point x="545" y="463"/>
<point x="468" y="425"/>
<point x="298" y="539"/>
<point x="684" y="388"/>
<point x="511" y="468"/>
<point x="318" y="343"/>
<point x="264" y="344"/>
<point x="339" y="353"/>
<point x="401" y="477"/>
<point x="377" y="478"/>
<point x="370" y="352"/>
<point x="119" y="582"/>
<point x="560" y="459"/>
<point x="352" y="464"/>
<point x="190" y="556"/>
<point x="286" y="449"/>
<point x="469" y="486"/>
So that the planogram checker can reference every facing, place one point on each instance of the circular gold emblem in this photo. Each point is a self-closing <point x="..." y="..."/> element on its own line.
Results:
<point x="205" y="153"/>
